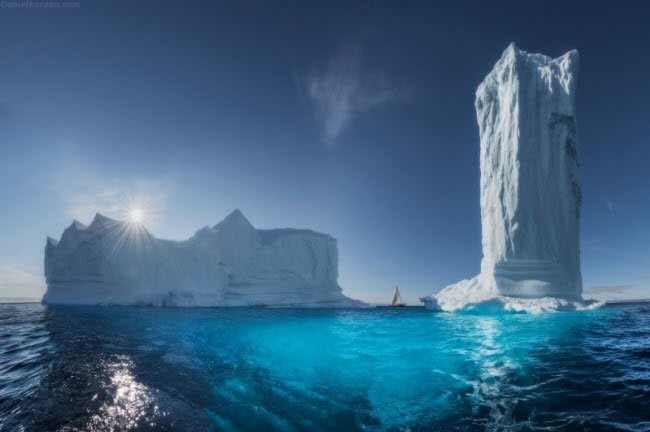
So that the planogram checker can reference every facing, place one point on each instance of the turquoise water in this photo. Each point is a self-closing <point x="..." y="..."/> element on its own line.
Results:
<point x="97" y="368"/>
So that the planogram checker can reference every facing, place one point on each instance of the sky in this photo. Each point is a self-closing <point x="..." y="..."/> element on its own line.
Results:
<point x="351" y="118"/>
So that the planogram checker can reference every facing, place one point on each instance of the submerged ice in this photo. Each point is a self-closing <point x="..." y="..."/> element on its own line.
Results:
<point x="230" y="264"/>
<point x="530" y="192"/>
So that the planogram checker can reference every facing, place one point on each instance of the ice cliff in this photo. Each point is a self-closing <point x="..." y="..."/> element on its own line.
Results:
<point x="230" y="264"/>
<point x="529" y="189"/>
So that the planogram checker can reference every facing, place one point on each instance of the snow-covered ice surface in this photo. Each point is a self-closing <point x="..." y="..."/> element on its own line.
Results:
<point x="530" y="192"/>
<point x="230" y="264"/>
<point x="473" y="296"/>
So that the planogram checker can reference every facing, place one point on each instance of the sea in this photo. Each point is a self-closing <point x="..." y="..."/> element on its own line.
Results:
<point x="67" y="368"/>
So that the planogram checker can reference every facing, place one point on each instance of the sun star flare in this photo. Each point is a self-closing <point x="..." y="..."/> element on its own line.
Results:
<point x="136" y="215"/>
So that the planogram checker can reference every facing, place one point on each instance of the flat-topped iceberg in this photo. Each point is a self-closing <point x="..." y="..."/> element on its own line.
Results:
<point x="530" y="189"/>
<point x="230" y="264"/>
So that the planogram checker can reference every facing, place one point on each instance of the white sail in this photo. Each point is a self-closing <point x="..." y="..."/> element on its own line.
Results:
<point x="397" y="298"/>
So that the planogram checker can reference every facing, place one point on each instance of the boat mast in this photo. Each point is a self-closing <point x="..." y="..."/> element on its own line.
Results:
<point x="397" y="298"/>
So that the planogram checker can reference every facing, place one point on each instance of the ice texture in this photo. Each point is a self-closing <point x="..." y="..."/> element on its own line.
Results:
<point x="473" y="296"/>
<point x="530" y="192"/>
<point x="230" y="264"/>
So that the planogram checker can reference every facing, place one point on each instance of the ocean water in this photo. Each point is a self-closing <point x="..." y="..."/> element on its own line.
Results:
<point x="407" y="369"/>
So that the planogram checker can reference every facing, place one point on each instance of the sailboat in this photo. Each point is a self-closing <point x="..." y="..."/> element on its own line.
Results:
<point x="397" y="299"/>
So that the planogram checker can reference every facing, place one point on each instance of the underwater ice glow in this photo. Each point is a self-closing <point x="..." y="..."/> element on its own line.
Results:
<point x="252" y="369"/>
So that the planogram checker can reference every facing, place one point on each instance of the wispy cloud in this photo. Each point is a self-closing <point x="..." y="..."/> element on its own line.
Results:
<point x="343" y="90"/>
<point x="610" y="289"/>
<point x="638" y="287"/>
<point x="17" y="281"/>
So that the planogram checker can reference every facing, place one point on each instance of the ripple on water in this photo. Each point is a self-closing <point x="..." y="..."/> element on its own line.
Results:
<point x="66" y="368"/>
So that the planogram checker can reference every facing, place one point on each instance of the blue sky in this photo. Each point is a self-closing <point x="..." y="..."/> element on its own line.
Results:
<point x="355" y="119"/>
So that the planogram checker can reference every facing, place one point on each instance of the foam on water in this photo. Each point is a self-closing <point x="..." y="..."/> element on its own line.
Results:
<point x="471" y="295"/>
<point x="128" y="368"/>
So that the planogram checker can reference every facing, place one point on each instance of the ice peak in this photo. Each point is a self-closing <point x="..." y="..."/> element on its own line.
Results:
<point x="101" y="221"/>
<point x="236" y="218"/>
<point x="236" y="214"/>
<point x="77" y="225"/>
<point x="511" y="49"/>
<point x="51" y="241"/>
<point x="517" y="68"/>
<point x="513" y="54"/>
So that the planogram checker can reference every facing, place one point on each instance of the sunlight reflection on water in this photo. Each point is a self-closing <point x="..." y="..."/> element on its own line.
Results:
<point x="132" y="402"/>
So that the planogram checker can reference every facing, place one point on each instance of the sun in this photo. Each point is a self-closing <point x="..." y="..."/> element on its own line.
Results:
<point x="136" y="215"/>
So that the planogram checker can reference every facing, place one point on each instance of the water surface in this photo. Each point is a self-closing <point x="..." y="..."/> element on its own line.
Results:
<point x="131" y="368"/>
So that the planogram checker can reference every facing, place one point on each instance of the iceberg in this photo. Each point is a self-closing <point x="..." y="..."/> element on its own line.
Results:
<point x="530" y="192"/>
<point x="229" y="264"/>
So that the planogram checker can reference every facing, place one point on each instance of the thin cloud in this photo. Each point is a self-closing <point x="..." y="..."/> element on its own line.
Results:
<point x="342" y="91"/>
<point x="116" y="199"/>
<point x="83" y="205"/>
<point x="610" y="289"/>
<point x="17" y="281"/>
<point x="84" y="190"/>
